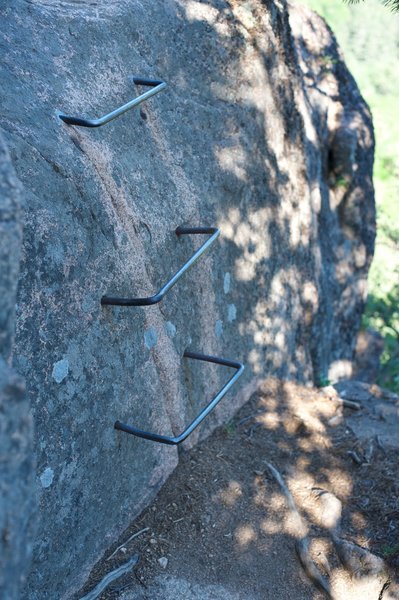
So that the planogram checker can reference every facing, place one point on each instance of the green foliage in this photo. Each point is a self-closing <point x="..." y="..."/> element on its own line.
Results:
<point x="341" y="182"/>
<point x="230" y="428"/>
<point x="328" y="62"/>
<point x="370" y="43"/>
<point x="392" y="4"/>
<point x="323" y="382"/>
<point x="382" y="314"/>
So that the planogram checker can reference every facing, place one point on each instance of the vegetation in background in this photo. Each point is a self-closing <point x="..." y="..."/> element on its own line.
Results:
<point x="369" y="38"/>
<point x="393" y="4"/>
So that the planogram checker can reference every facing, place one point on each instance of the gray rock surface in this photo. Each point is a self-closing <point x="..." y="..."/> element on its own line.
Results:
<point x="254" y="134"/>
<point x="378" y="421"/>
<point x="16" y="444"/>
<point x="339" y="148"/>
<point x="171" y="588"/>
<point x="369" y="348"/>
<point x="10" y="248"/>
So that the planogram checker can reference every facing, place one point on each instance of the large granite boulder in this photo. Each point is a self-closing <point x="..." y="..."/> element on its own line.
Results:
<point x="339" y="146"/>
<point x="17" y="490"/>
<point x="239" y="139"/>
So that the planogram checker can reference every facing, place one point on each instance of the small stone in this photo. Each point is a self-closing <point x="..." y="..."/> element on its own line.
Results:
<point x="334" y="421"/>
<point x="163" y="561"/>
<point x="152" y="541"/>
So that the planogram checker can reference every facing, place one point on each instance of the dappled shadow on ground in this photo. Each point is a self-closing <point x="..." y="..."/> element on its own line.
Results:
<point x="222" y="519"/>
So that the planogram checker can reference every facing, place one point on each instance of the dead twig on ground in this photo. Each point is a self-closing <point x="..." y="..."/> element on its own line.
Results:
<point x="355" y="457"/>
<point x="331" y="394"/>
<point x="349" y="404"/>
<point x="127" y="541"/>
<point x="368" y="455"/>
<point x="346" y="403"/>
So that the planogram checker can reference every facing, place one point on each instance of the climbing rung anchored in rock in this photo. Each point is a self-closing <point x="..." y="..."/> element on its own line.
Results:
<point x="150" y="300"/>
<point x="156" y="85"/>
<point x="170" y="440"/>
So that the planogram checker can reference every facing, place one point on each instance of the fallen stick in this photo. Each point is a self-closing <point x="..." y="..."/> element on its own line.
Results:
<point x="347" y="403"/>
<point x="368" y="455"/>
<point x="350" y="404"/>
<point x="330" y="393"/>
<point x="301" y="543"/>
<point x="355" y="457"/>
<point x="100" y="587"/>
<point x="127" y="541"/>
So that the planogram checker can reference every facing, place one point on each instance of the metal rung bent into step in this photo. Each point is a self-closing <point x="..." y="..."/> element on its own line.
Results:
<point x="150" y="300"/>
<point x="170" y="440"/>
<point x="156" y="85"/>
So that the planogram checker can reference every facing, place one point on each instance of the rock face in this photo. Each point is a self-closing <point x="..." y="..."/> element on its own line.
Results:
<point x="261" y="132"/>
<point x="339" y="147"/>
<point x="16" y="444"/>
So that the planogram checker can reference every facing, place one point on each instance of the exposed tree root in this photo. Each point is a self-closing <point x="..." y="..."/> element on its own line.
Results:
<point x="302" y="543"/>
<point x="115" y="574"/>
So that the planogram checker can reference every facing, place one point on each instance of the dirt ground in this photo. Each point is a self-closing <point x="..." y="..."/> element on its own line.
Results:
<point x="221" y="529"/>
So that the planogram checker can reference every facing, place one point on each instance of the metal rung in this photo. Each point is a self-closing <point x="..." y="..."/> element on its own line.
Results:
<point x="157" y="86"/>
<point x="164" y="439"/>
<point x="150" y="300"/>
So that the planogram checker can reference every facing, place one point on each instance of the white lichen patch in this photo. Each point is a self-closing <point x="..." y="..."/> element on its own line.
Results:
<point x="47" y="477"/>
<point x="231" y="312"/>
<point x="170" y="329"/>
<point x="60" y="370"/>
<point x="219" y="328"/>
<point x="150" y="338"/>
<point x="226" y="283"/>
